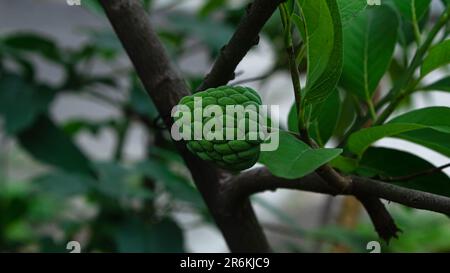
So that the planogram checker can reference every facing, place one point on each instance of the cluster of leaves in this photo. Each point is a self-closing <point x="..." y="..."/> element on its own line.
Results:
<point x="349" y="49"/>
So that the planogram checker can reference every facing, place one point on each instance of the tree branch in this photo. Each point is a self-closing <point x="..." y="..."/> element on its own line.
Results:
<point x="415" y="175"/>
<point x="381" y="219"/>
<point x="260" y="180"/>
<point x="242" y="40"/>
<point x="240" y="227"/>
<point x="253" y="79"/>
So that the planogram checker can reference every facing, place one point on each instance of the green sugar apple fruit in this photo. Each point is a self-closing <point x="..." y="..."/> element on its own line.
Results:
<point x="239" y="147"/>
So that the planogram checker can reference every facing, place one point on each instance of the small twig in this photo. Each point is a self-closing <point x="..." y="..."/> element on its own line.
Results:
<point x="102" y="98"/>
<point x="415" y="175"/>
<point x="240" y="43"/>
<point x="253" y="79"/>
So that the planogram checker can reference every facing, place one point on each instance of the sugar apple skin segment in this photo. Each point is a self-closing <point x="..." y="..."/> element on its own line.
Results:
<point x="239" y="128"/>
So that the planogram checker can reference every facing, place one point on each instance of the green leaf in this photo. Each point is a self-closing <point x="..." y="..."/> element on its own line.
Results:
<point x="412" y="7"/>
<point x="63" y="184"/>
<point x="33" y="43"/>
<point x="434" y="118"/>
<point x="294" y="159"/>
<point x="361" y="140"/>
<point x="86" y="52"/>
<point x="290" y="6"/>
<point x="440" y="85"/>
<point x="292" y="121"/>
<point x="384" y="162"/>
<point x="349" y="111"/>
<point x="344" y="164"/>
<point x="349" y="9"/>
<point x="326" y="117"/>
<point x="324" y="48"/>
<point x="76" y="126"/>
<point x="439" y="55"/>
<point x="298" y="22"/>
<point x="21" y="102"/>
<point x="136" y="236"/>
<point x="369" y="44"/>
<point x="47" y="143"/>
<point x="429" y="138"/>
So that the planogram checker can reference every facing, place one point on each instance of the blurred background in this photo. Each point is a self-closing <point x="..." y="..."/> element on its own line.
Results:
<point x="84" y="157"/>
